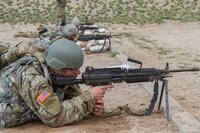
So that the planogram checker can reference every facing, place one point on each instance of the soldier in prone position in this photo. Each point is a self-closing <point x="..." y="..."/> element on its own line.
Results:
<point x="45" y="31"/>
<point x="27" y="92"/>
<point x="38" y="47"/>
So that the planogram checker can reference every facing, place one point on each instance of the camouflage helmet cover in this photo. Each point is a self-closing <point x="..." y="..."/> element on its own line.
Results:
<point x="76" y="22"/>
<point x="69" y="30"/>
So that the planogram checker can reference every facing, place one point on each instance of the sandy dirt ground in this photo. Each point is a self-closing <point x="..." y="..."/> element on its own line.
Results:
<point x="176" y="43"/>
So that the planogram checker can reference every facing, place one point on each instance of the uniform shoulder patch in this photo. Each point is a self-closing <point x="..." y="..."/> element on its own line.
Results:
<point x="43" y="96"/>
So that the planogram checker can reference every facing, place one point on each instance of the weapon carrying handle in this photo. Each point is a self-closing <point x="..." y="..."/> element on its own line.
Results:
<point x="135" y="61"/>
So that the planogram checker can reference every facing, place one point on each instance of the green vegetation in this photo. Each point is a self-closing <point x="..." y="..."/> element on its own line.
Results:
<point x="139" y="12"/>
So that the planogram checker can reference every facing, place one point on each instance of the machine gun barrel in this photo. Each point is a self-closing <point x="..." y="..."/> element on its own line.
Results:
<point x="103" y="76"/>
<point x="87" y="23"/>
<point x="184" y="70"/>
<point x="83" y="28"/>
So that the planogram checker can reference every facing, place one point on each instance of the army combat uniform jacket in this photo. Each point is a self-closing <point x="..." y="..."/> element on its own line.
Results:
<point x="37" y="47"/>
<point x="48" y="31"/>
<point x="26" y="95"/>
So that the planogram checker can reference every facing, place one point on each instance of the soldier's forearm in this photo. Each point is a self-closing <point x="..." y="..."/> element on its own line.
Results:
<point x="75" y="109"/>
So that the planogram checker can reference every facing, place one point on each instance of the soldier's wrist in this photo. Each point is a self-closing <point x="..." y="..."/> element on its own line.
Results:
<point x="89" y="100"/>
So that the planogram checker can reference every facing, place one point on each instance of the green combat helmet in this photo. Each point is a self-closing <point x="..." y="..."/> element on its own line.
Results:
<point x="76" y="22"/>
<point x="64" y="53"/>
<point x="69" y="30"/>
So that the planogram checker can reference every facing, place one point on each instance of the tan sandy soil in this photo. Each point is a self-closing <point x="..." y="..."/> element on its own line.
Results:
<point x="122" y="94"/>
<point x="182" y="42"/>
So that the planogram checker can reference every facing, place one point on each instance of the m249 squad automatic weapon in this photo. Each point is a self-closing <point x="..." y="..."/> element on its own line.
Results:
<point x="103" y="76"/>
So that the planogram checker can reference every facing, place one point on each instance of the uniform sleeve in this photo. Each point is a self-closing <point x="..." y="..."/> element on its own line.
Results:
<point x="39" y="96"/>
<point x="27" y="34"/>
<point x="21" y="50"/>
<point x="50" y="31"/>
<point x="72" y="91"/>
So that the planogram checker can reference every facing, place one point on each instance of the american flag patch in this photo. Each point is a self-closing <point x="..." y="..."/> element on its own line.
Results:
<point x="43" y="96"/>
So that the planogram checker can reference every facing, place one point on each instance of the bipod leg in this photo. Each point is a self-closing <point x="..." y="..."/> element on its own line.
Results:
<point x="164" y="87"/>
<point x="110" y="46"/>
<point x="166" y="98"/>
<point x="154" y="99"/>
<point x="161" y="95"/>
<point x="101" y="50"/>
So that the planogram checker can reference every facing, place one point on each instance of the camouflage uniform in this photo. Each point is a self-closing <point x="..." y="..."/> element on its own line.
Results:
<point x="37" y="47"/>
<point x="50" y="30"/>
<point x="3" y="47"/>
<point x="34" y="48"/>
<point x="75" y="21"/>
<point x="26" y="95"/>
<point x="60" y="7"/>
<point x="29" y="34"/>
